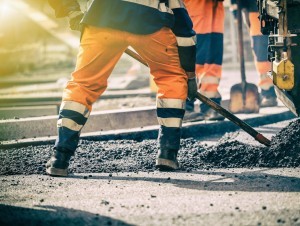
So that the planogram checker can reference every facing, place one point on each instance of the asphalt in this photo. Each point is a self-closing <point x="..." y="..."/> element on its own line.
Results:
<point x="225" y="179"/>
<point x="120" y="155"/>
<point x="259" y="196"/>
<point x="121" y="124"/>
<point x="99" y="192"/>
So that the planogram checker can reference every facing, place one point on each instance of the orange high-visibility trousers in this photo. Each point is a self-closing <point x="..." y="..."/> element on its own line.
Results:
<point x="208" y="20"/>
<point x="100" y="50"/>
<point x="259" y="43"/>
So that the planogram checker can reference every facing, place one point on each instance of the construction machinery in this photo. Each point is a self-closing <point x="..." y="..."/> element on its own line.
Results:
<point x="280" y="19"/>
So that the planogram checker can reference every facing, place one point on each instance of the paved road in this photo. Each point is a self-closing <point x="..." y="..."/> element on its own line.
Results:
<point x="259" y="196"/>
<point x="214" y="197"/>
<point x="207" y="197"/>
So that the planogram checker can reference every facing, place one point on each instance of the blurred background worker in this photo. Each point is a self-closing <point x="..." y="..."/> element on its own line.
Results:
<point x="259" y="44"/>
<point x="161" y="32"/>
<point x="208" y="21"/>
<point x="208" y="17"/>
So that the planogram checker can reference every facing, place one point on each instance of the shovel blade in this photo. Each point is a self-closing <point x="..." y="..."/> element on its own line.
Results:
<point x="237" y="103"/>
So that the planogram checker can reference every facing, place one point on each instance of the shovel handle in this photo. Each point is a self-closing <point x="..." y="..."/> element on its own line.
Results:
<point x="243" y="125"/>
<point x="239" y="21"/>
<point x="136" y="56"/>
<point x="252" y="132"/>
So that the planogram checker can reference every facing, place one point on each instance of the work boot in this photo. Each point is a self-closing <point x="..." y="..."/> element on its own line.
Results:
<point x="268" y="98"/>
<point x="167" y="160"/>
<point x="58" y="163"/>
<point x="210" y="114"/>
<point x="192" y="116"/>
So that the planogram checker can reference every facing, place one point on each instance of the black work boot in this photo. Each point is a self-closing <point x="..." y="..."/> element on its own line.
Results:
<point x="167" y="160"/>
<point x="210" y="114"/>
<point x="190" y="114"/>
<point x="58" y="163"/>
<point x="268" y="98"/>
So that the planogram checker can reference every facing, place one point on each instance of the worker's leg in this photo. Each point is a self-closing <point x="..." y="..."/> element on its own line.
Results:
<point x="100" y="49"/>
<point x="161" y="53"/>
<point x="208" y="20"/>
<point x="260" y="52"/>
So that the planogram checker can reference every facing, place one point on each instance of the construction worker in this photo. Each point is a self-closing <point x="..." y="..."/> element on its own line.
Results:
<point x="259" y="44"/>
<point x="161" y="32"/>
<point x="208" y="20"/>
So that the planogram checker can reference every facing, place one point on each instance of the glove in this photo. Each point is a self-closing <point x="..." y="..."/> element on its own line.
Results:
<point x="192" y="86"/>
<point x="74" y="20"/>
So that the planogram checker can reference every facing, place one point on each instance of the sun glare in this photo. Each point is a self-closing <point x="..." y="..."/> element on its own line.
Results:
<point x="5" y="8"/>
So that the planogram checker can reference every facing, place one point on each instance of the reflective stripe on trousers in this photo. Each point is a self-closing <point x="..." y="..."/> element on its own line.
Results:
<point x="208" y="20"/>
<point x="72" y="118"/>
<point x="100" y="50"/>
<point x="170" y="113"/>
<point x="259" y="44"/>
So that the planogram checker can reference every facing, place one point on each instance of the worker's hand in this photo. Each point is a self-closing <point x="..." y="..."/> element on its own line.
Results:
<point x="74" y="20"/>
<point x="192" y="86"/>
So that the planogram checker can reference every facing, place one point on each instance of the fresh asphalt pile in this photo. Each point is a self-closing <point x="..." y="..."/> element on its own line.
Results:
<point x="133" y="156"/>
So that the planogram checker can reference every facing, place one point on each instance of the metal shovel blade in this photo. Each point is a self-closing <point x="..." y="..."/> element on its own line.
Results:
<point x="244" y="99"/>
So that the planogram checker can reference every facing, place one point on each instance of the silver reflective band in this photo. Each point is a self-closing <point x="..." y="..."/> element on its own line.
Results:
<point x="75" y="106"/>
<point x="210" y="80"/>
<point x="211" y="94"/>
<point x="174" y="4"/>
<point x="150" y="3"/>
<point x="170" y="122"/>
<point x="233" y="7"/>
<point x="170" y="103"/>
<point x="153" y="4"/>
<point x="69" y="123"/>
<point x="266" y="86"/>
<point x="162" y="7"/>
<point x="190" y="41"/>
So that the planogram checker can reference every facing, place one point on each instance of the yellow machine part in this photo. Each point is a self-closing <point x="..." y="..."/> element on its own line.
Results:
<point x="283" y="74"/>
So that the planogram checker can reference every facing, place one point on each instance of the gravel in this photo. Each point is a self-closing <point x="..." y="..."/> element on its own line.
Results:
<point x="133" y="156"/>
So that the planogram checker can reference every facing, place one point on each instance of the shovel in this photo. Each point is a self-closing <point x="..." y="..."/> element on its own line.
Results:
<point x="243" y="125"/>
<point x="244" y="97"/>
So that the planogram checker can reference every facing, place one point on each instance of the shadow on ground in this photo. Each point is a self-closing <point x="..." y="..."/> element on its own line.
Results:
<point x="52" y="216"/>
<point x="251" y="181"/>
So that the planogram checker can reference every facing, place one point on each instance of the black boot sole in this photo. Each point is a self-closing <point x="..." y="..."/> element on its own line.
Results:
<point x="57" y="172"/>
<point x="218" y="118"/>
<point x="268" y="103"/>
<point x="166" y="165"/>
